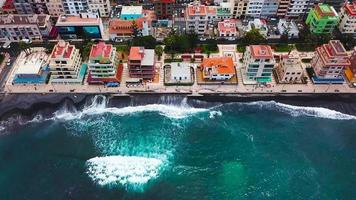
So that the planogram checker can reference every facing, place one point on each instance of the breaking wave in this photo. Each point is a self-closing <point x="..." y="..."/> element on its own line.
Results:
<point x="100" y="107"/>
<point x="131" y="172"/>
<point x="297" y="111"/>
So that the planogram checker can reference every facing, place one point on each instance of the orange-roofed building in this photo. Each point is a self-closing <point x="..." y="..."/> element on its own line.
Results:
<point x="219" y="69"/>
<point x="258" y="64"/>
<point x="103" y="65"/>
<point x="123" y="29"/>
<point x="141" y="62"/>
<point x="65" y="64"/>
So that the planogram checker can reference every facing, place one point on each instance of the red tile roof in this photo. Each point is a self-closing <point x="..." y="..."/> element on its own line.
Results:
<point x="62" y="50"/>
<point x="224" y="65"/>
<point x="261" y="51"/>
<point x="136" y="53"/>
<point x="350" y="8"/>
<point x="101" y="49"/>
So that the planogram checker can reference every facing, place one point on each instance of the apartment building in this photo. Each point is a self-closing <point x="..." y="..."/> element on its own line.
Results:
<point x="289" y="69"/>
<point x="100" y="6"/>
<point x="239" y="8"/>
<point x="65" y="64"/>
<point x="329" y="63"/>
<point x="164" y="9"/>
<point x="55" y="7"/>
<point x="322" y="19"/>
<point x="84" y="25"/>
<point x="196" y="18"/>
<point x="348" y="19"/>
<point x="34" y="27"/>
<point x="337" y="4"/>
<point x="103" y="65"/>
<point x="254" y="8"/>
<point x="269" y="8"/>
<point x="258" y="63"/>
<point x="73" y="7"/>
<point x="299" y="8"/>
<point x="141" y="63"/>
<point x="30" y="6"/>
<point x="283" y="8"/>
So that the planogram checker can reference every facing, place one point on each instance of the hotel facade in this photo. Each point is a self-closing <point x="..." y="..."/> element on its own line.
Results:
<point x="65" y="64"/>
<point x="103" y="64"/>
<point x="141" y="63"/>
<point x="329" y="63"/>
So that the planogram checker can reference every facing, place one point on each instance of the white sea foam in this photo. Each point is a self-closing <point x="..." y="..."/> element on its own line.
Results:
<point x="2" y="128"/>
<point x="99" y="107"/>
<point x="132" y="172"/>
<point x="297" y="111"/>
<point x="213" y="114"/>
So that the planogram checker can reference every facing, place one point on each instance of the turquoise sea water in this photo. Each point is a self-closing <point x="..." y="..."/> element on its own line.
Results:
<point x="258" y="150"/>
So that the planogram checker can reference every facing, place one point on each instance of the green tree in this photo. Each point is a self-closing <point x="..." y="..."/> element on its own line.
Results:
<point x="135" y="30"/>
<point x="23" y="46"/>
<point x="148" y="42"/>
<point x="253" y="37"/>
<point x="159" y="51"/>
<point x="85" y="49"/>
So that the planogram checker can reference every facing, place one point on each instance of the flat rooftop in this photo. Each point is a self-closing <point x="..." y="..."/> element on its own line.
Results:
<point x="261" y="51"/>
<point x="148" y="58"/>
<point x="101" y="49"/>
<point x="131" y="10"/>
<point x="350" y="8"/>
<point x="32" y="63"/>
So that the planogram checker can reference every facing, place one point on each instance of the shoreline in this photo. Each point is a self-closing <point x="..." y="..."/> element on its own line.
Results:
<point x="27" y="104"/>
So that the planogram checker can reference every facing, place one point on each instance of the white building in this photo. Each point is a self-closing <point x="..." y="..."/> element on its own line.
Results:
<point x="260" y="25"/>
<point x="299" y="8"/>
<point x="258" y="63"/>
<point x="31" y="67"/>
<point x="65" y="64"/>
<point x="254" y="8"/>
<point x="348" y="19"/>
<point x="180" y="73"/>
<point x="75" y="6"/>
<point x="100" y="6"/>
<point x="290" y="69"/>
<point x="239" y="8"/>
<point x="288" y="27"/>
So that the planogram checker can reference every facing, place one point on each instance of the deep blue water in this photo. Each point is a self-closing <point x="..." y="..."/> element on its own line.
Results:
<point x="260" y="150"/>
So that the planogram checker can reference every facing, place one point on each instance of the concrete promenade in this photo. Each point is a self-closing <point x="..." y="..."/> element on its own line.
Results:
<point x="195" y="89"/>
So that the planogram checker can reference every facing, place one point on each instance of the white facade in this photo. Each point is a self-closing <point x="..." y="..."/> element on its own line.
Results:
<point x="65" y="64"/>
<point x="101" y="6"/>
<point x="258" y="24"/>
<point x="75" y="6"/>
<point x="290" y="69"/>
<point x="348" y="19"/>
<point x="289" y="27"/>
<point x="254" y="8"/>
<point x="299" y="8"/>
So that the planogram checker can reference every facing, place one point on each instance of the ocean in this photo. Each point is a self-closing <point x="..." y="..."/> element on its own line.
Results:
<point x="177" y="150"/>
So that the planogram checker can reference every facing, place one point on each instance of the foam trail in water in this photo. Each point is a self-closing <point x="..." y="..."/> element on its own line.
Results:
<point x="132" y="172"/>
<point x="296" y="111"/>
<point x="99" y="107"/>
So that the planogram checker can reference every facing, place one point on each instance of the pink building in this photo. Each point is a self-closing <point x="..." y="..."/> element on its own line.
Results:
<point x="329" y="62"/>
<point x="227" y="29"/>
